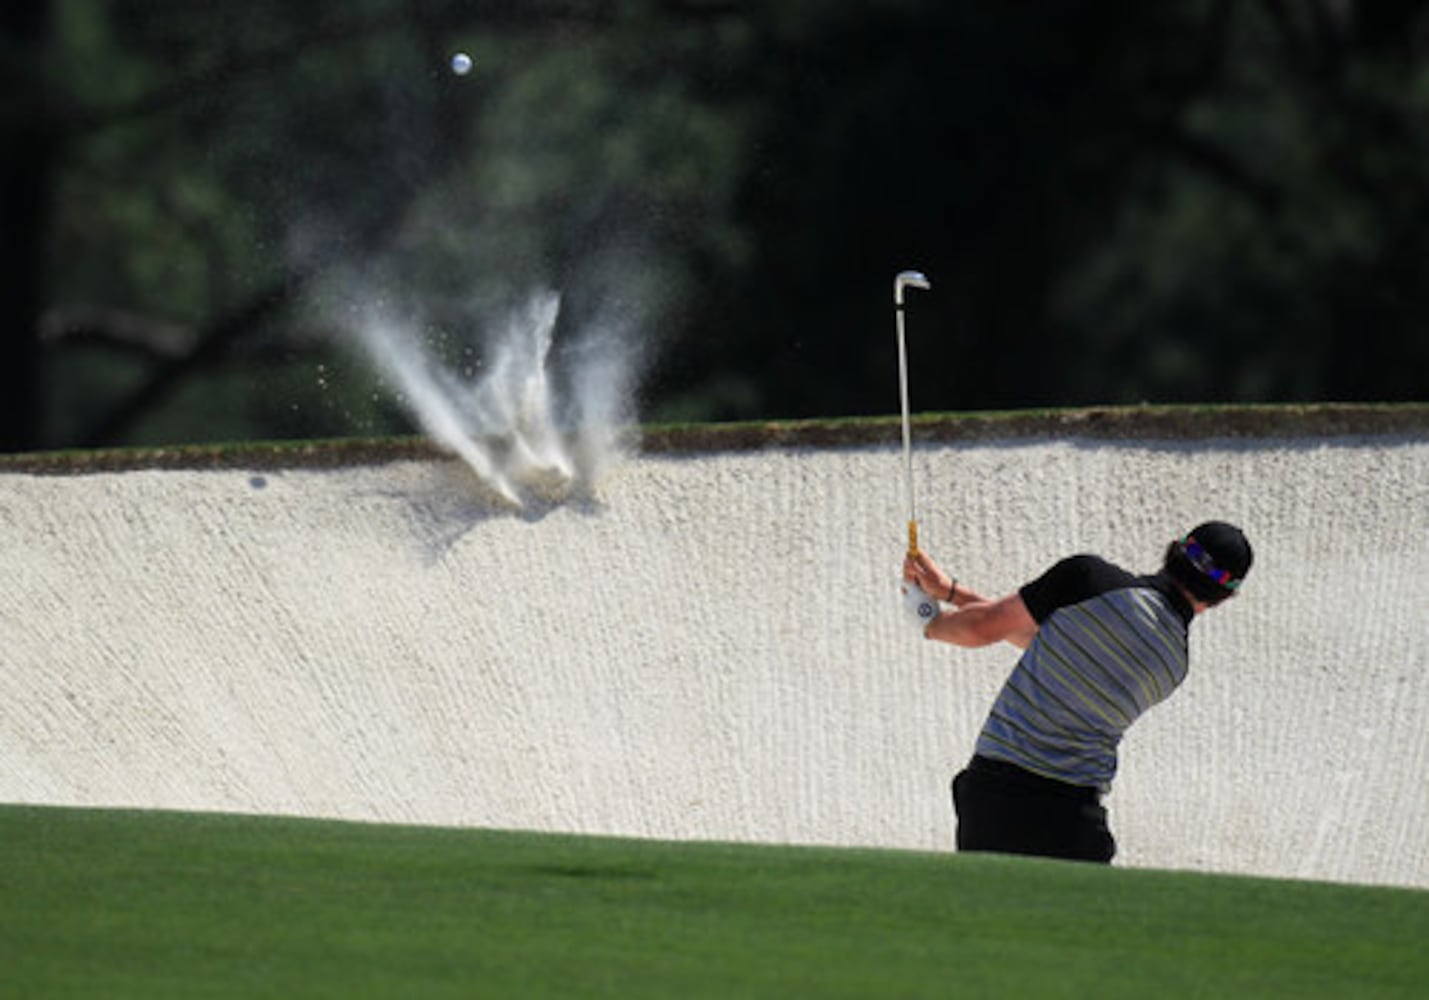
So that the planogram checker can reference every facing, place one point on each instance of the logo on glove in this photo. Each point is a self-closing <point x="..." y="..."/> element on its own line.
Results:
<point x="918" y="606"/>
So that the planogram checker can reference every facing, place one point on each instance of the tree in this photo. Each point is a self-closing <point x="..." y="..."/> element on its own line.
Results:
<point x="1188" y="200"/>
<point x="229" y="180"/>
<point x="1172" y="201"/>
<point x="27" y="152"/>
<point x="1273" y="248"/>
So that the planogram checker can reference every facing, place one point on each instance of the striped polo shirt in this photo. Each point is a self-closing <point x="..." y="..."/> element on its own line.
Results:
<point x="1109" y="646"/>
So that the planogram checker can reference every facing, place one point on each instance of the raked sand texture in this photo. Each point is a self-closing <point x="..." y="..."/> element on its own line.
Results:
<point x="715" y="649"/>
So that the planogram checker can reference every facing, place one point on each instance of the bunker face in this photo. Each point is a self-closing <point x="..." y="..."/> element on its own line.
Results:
<point x="715" y="651"/>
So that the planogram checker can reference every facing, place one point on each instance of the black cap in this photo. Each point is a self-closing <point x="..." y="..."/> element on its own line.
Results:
<point x="1211" y="560"/>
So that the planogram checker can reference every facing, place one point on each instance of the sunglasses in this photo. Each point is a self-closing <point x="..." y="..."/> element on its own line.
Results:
<point x="1202" y="560"/>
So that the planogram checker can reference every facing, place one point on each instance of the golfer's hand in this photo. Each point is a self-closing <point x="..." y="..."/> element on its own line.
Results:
<point x="921" y="571"/>
<point x="918" y="607"/>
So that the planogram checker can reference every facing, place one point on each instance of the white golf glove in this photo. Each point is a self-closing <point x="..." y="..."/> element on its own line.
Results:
<point x="918" y="606"/>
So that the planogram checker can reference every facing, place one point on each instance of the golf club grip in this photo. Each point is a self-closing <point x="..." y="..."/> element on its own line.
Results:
<point x="913" y="539"/>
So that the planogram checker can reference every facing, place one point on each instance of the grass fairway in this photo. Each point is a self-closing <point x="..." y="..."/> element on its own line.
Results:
<point x="150" y="904"/>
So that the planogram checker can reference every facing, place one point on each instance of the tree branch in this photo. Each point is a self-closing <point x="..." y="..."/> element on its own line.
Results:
<point x="213" y="342"/>
<point x="1218" y="163"/>
<point x="68" y="326"/>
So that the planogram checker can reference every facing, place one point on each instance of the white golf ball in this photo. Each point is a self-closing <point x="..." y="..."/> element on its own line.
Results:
<point x="461" y="64"/>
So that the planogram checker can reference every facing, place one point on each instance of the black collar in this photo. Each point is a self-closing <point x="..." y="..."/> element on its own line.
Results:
<point x="1165" y="585"/>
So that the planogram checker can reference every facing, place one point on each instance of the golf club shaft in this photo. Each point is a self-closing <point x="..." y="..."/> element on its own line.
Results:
<point x="907" y="435"/>
<point x="914" y="279"/>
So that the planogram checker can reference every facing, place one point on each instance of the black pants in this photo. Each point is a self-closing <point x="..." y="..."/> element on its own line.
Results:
<point x="1003" y="808"/>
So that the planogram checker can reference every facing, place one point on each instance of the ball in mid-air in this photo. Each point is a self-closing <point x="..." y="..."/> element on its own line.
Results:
<point x="461" y="64"/>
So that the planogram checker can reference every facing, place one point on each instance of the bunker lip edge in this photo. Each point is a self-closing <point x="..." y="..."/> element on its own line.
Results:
<point x="1148" y="423"/>
<point x="1132" y="423"/>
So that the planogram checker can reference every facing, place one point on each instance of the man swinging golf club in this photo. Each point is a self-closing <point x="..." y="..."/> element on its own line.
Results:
<point x="1101" y="646"/>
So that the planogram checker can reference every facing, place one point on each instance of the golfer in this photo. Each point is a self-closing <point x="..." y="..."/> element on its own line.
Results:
<point x="1101" y="647"/>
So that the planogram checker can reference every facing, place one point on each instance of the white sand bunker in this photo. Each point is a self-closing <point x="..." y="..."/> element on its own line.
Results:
<point x="715" y="650"/>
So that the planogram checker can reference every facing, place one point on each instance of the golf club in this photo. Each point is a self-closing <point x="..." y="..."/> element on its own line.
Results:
<point x="907" y="279"/>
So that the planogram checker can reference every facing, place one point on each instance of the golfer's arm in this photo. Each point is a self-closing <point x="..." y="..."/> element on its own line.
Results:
<point x="981" y="623"/>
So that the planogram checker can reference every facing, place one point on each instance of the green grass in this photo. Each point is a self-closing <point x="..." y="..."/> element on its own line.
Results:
<point x="149" y="904"/>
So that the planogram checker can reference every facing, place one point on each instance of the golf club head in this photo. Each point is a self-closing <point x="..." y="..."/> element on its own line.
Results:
<point x="906" y="279"/>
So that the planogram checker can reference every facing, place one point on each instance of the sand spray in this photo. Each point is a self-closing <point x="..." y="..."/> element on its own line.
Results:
<point x="527" y="428"/>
